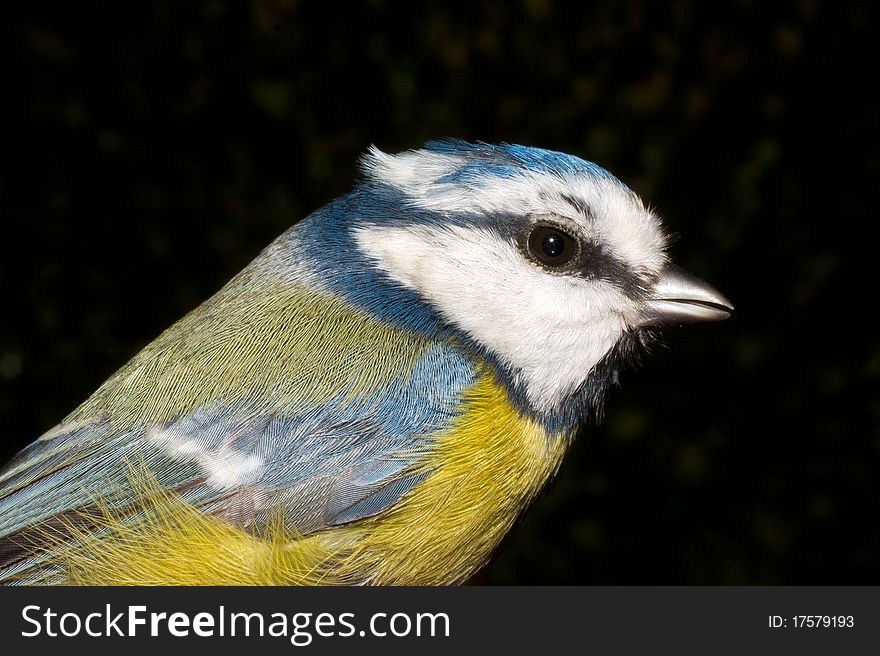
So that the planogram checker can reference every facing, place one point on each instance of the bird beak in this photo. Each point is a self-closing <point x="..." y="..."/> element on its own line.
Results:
<point x="679" y="297"/>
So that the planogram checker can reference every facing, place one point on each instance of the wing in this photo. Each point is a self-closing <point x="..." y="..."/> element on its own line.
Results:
<point x="311" y="408"/>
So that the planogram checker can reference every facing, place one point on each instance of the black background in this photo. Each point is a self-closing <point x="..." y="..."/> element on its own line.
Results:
<point x="150" y="150"/>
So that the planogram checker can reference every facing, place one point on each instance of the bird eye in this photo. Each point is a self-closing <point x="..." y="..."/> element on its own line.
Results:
<point x="551" y="246"/>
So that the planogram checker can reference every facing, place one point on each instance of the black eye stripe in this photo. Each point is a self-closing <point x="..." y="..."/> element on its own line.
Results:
<point x="597" y="263"/>
<point x="556" y="249"/>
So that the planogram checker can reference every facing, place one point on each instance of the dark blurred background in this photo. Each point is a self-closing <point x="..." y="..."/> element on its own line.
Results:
<point x="151" y="150"/>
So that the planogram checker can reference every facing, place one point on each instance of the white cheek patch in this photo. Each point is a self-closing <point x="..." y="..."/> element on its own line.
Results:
<point x="551" y="329"/>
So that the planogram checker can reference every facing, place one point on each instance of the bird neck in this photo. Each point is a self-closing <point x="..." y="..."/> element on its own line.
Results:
<point x="586" y="401"/>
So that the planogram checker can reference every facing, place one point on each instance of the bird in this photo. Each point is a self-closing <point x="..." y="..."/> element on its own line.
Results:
<point x="376" y="399"/>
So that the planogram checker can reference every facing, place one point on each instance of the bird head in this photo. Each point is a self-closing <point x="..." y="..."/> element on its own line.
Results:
<point x="546" y="264"/>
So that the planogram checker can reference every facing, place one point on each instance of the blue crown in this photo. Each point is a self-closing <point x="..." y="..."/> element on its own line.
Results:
<point x="508" y="160"/>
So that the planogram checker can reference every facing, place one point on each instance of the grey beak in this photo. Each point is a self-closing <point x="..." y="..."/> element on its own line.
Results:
<point x="679" y="297"/>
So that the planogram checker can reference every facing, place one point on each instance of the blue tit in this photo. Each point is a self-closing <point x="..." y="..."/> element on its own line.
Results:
<point x="375" y="399"/>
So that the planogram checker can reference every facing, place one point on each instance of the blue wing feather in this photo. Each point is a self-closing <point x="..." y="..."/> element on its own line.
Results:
<point x="324" y="465"/>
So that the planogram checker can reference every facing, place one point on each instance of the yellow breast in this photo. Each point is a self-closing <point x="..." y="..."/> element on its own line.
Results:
<point x="487" y="469"/>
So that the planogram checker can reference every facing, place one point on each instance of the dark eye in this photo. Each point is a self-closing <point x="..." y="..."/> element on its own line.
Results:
<point x="551" y="246"/>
